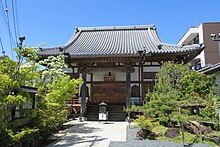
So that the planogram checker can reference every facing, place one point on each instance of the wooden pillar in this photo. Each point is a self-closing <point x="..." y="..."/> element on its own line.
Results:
<point x="142" y="81"/>
<point x="139" y="83"/>
<point x="83" y="92"/>
<point x="83" y="101"/>
<point x="129" y="69"/>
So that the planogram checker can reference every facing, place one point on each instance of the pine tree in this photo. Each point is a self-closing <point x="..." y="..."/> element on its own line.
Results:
<point x="177" y="86"/>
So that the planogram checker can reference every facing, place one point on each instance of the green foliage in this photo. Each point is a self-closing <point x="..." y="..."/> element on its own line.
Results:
<point x="197" y="87"/>
<point x="54" y="87"/>
<point x="7" y="82"/>
<point x="51" y="116"/>
<point x="54" y="66"/>
<point x="136" y="108"/>
<point x="217" y="128"/>
<point x="26" y="135"/>
<point x="10" y="80"/>
<point x="144" y="123"/>
<point x="62" y="89"/>
<point x="6" y="86"/>
<point x="177" y="86"/>
<point x="162" y="106"/>
<point x="8" y="66"/>
<point x="188" y="137"/>
<point x="15" y="99"/>
<point x="6" y="136"/>
<point x="159" y="130"/>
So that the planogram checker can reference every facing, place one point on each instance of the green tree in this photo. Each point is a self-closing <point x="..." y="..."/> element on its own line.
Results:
<point x="164" y="100"/>
<point x="178" y="86"/>
<point x="54" y="87"/>
<point x="11" y="78"/>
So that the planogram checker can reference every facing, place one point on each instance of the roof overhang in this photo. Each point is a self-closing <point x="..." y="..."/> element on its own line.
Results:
<point x="109" y="56"/>
<point x="29" y="89"/>
<point x="210" y="69"/>
<point x="189" y="35"/>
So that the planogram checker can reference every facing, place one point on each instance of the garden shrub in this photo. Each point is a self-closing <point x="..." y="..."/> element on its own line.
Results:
<point x="144" y="123"/>
<point x="6" y="136"/>
<point x="26" y="136"/>
<point x="146" y="128"/>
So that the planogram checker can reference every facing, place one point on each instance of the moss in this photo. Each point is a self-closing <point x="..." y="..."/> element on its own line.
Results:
<point x="188" y="137"/>
<point x="159" y="130"/>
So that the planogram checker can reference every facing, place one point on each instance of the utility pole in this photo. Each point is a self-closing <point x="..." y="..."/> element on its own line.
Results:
<point x="19" y="45"/>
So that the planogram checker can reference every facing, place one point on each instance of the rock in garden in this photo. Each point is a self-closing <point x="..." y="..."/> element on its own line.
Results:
<point x="172" y="132"/>
<point x="194" y="127"/>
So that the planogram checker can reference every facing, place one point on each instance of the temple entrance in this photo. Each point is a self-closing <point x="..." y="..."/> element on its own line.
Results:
<point x="109" y="92"/>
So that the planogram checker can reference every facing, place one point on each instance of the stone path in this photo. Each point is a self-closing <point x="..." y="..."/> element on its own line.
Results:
<point x="90" y="134"/>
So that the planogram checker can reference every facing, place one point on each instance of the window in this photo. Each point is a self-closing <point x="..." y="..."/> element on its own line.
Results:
<point x="135" y="92"/>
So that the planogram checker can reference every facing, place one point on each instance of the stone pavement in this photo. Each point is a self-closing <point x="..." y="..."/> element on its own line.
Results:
<point x="90" y="134"/>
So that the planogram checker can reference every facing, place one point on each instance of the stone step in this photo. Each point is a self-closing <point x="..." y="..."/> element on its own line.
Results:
<point x="115" y="112"/>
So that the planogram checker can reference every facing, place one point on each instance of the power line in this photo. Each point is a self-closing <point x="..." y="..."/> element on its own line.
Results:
<point x="3" y="12"/>
<point x="3" y="51"/>
<point x="16" y="12"/>
<point x="14" y="22"/>
<point x="9" y="29"/>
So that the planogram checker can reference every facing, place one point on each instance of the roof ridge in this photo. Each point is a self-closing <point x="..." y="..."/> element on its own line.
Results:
<point x="104" y="28"/>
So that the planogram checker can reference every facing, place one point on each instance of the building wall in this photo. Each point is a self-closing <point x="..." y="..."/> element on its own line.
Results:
<point x="134" y="75"/>
<point x="212" y="53"/>
<point x="99" y="75"/>
<point x="147" y="79"/>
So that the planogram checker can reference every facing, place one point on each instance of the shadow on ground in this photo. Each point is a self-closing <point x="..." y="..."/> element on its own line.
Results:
<point x="75" y="135"/>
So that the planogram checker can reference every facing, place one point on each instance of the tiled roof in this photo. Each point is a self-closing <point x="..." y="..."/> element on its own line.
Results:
<point x="209" y="68"/>
<point x="117" y="41"/>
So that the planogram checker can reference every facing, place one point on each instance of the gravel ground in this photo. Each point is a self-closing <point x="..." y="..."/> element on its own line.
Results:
<point x="133" y="142"/>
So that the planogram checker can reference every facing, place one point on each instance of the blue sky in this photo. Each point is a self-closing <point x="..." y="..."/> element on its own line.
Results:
<point x="53" y="22"/>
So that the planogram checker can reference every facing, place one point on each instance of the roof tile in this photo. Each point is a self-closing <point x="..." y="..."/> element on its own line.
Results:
<point x="119" y="40"/>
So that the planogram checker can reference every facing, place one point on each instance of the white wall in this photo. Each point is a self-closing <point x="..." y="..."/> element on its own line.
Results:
<point x="134" y="75"/>
<point x="88" y="77"/>
<point x="119" y="75"/>
<point x="151" y="69"/>
<point x="201" y="40"/>
<point x="189" y="36"/>
<point x="98" y="74"/>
